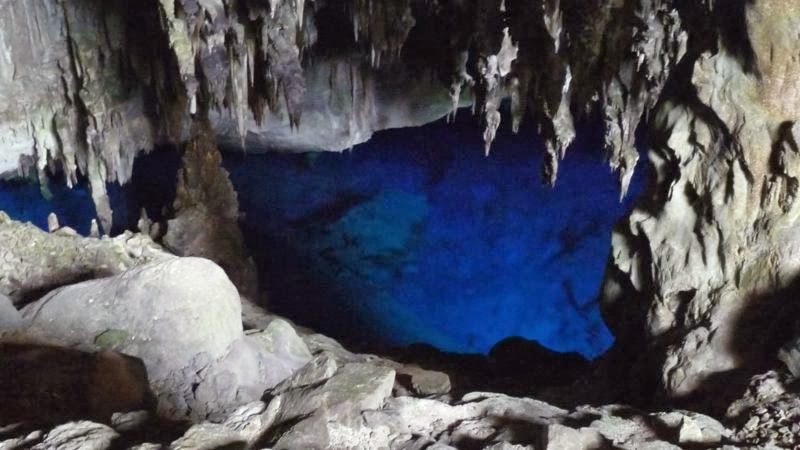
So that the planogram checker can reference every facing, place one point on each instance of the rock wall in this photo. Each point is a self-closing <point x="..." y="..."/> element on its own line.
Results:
<point x="702" y="285"/>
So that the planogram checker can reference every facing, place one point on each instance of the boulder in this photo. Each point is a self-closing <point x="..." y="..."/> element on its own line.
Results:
<point x="147" y="446"/>
<point x="125" y="422"/>
<point x="241" y="376"/>
<point x="427" y="382"/>
<point x="478" y="418"/>
<point x="789" y="354"/>
<point x="250" y="421"/>
<point x="693" y="428"/>
<point x="507" y="446"/>
<point x="179" y="316"/>
<point x="329" y="415"/>
<point x="280" y="339"/>
<point x="24" y="441"/>
<point x="241" y="429"/>
<point x="320" y="369"/>
<point x="626" y="428"/>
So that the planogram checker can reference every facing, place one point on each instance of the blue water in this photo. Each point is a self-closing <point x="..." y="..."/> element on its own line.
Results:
<point x="23" y="200"/>
<point x="415" y="236"/>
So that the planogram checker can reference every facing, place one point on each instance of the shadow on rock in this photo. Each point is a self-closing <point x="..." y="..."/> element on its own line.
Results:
<point x="47" y="384"/>
<point x="514" y="366"/>
<point x="761" y="328"/>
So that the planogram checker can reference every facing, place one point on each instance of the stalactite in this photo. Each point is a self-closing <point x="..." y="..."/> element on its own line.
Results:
<point x="181" y="44"/>
<point x="560" y="130"/>
<point x="658" y="46"/>
<point x="383" y="27"/>
<point x="519" y="96"/>
<point x="553" y="21"/>
<point x="244" y="59"/>
<point x="492" y="70"/>
<point x="460" y="79"/>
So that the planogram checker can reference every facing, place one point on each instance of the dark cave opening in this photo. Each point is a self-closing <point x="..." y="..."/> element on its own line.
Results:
<point x="414" y="236"/>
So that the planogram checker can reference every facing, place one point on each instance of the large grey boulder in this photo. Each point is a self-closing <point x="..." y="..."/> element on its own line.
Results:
<point x="178" y="316"/>
<point x="182" y="317"/>
<point x="164" y="313"/>
<point x="247" y="370"/>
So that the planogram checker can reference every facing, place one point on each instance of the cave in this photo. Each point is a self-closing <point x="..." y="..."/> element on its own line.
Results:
<point x="399" y="224"/>
<point x="413" y="237"/>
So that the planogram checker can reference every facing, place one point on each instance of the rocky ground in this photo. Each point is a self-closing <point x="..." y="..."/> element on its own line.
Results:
<point x="115" y="343"/>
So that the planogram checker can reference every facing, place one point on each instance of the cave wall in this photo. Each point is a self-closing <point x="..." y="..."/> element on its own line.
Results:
<point x="703" y="276"/>
<point x="698" y="272"/>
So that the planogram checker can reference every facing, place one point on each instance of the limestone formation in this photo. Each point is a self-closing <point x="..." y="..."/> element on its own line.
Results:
<point x="33" y="262"/>
<point x="81" y="435"/>
<point x="257" y="69"/>
<point x="701" y="287"/>
<point x="702" y="281"/>
<point x="206" y="213"/>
